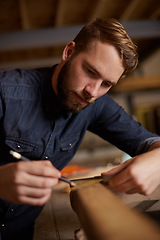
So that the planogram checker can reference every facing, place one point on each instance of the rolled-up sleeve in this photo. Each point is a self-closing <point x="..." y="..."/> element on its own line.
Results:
<point x="145" y="145"/>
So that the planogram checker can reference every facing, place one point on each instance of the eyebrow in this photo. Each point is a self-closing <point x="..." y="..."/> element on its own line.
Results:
<point x="98" y="73"/>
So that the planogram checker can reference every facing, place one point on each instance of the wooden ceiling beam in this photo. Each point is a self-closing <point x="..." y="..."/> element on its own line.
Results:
<point x="30" y="63"/>
<point x="60" y="36"/>
<point x="138" y="83"/>
<point x="96" y="10"/>
<point x="24" y="15"/>
<point x="107" y="9"/>
<point x="72" y="12"/>
<point x="59" y="13"/>
<point x="136" y="10"/>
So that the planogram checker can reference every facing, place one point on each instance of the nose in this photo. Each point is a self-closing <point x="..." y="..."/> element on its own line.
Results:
<point x="92" y="89"/>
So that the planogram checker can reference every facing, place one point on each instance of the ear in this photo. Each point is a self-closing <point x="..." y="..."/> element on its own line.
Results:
<point x="68" y="51"/>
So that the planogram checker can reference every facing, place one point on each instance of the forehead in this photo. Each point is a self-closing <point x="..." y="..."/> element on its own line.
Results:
<point x="105" y="58"/>
<point x="102" y="49"/>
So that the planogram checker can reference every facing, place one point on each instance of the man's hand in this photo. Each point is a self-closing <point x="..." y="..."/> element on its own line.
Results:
<point x="140" y="174"/>
<point x="28" y="182"/>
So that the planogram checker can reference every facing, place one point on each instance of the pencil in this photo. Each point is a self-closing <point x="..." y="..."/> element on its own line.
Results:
<point x="20" y="157"/>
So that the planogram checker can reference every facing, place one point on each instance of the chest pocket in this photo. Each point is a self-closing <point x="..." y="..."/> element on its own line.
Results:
<point x="67" y="149"/>
<point x="69" y="143"/>
<point x="20" y="147"/>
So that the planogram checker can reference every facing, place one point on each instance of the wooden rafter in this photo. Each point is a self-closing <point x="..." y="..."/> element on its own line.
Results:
<point x="138" y="83"/>
<point x="24" y="15"/>
<point x="136" y="9"/>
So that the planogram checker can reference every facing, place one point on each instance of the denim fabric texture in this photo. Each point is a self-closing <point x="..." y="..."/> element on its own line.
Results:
<point x="33" y="123"/>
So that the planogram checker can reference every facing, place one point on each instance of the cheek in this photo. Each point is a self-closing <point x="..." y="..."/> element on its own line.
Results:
<point x="103" y="91"/>
<point x="77" y="79"/>
<point x="75" y="82"/>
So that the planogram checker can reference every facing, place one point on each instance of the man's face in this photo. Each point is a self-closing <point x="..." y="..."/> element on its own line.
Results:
<point x="88" y="75"/>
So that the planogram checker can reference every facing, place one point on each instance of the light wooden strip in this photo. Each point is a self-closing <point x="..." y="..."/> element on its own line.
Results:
<point x="24" y="15"/>
<point x="45" y="226"/>
<point x="59" y="13"/>
<point x="136" y="197"/>
<point x="136" y="9"/>
<point x="103" y="216"/>
<point x="137" y="83"/>
<point x="57" y="221"/>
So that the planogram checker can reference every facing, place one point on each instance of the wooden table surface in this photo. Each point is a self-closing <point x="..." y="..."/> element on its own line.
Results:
<point x="58" y="221"/>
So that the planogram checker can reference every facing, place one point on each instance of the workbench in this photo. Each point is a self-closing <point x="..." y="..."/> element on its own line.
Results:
<point x="58" y="221"/>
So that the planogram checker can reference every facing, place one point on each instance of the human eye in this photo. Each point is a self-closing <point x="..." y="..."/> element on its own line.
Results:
<point x="106" y="84"/>
<point x="90" y="71"/>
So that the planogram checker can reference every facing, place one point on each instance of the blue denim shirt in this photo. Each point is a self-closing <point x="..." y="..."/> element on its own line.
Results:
<point x="33" y="124"/>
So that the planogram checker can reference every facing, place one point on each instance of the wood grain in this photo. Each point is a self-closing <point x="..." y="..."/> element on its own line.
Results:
<point x="104" y="217"/>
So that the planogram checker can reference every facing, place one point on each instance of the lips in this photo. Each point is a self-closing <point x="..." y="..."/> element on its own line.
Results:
<point x="81" y="100"/>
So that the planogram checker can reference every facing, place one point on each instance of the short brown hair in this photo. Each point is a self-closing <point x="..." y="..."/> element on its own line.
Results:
<point x="112" y="32"/>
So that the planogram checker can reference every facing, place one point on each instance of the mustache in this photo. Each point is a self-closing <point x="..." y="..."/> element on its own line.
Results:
<point x="86" y="97"/>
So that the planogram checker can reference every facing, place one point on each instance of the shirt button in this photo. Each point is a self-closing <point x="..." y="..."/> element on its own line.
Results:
<point x="18" y="146"/>
<point x="46" y="157"/>
<point x="70" y="144"/>
<point x="11" y="210"/>
<point x="3" y="225"/>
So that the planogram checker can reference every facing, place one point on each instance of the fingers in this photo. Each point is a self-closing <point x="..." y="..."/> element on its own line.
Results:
<point x="124" y="180"/>
<point x="117" y="169"/>
<point x="40" y="174"/>
<point x="120" y="178"/>
<point x="28" y="182"/>
<point x="33" y="192"/>
<point x="35" y="201"/>
<point x="129" y="183"/>
<point x="33" y="181"/>
<point x="26" y="179"/>
<point x="39" y="168"/>
<point x="37" y="195"/>
<point x="124" y="187"/>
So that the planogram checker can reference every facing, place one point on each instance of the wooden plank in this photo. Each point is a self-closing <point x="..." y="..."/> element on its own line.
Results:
<point x="112" y="8"/>
<point x="96" y="10"/>
<point x="137" y="10"/>
<point x="103" y="216"/>
<point x="24" y="15"/>
<point x="46" y="226"/>
<point x="73" y="12"/>
<point x="141" y="202"/>
<point x="139" y="83"/>
<point x="57" y="220"/>
<point x="136" y="197"/>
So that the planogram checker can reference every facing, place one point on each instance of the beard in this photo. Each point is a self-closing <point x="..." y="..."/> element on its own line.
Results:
<point x="68" y="97"/>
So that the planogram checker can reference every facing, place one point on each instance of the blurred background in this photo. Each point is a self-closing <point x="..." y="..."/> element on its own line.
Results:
<point x="33" y="34"/>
